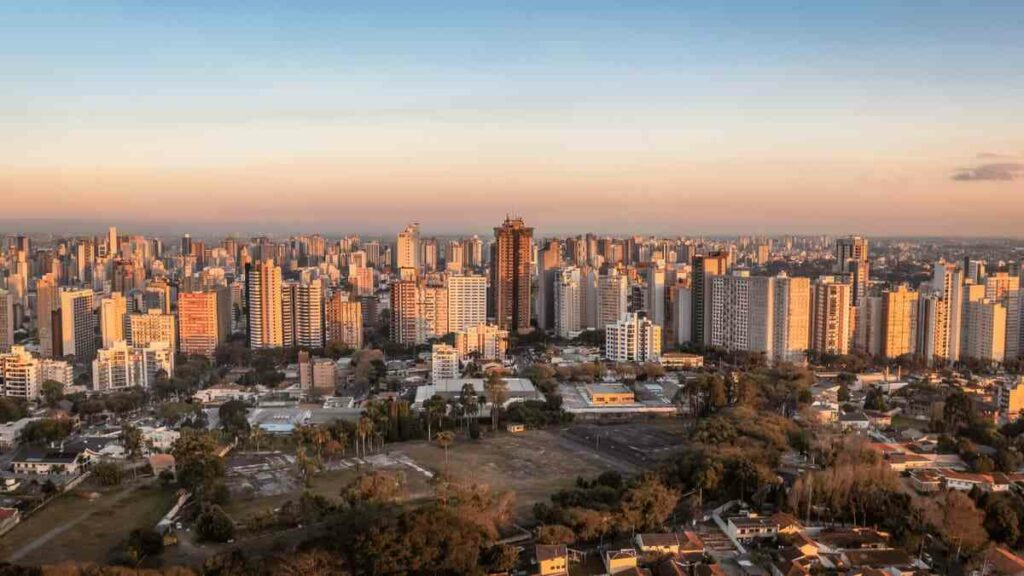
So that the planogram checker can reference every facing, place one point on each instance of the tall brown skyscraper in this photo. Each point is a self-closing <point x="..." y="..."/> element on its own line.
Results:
<point x="714" y="264"/>
<point x="510" y="274"/>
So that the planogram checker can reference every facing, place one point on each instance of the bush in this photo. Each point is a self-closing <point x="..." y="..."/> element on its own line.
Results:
<point x="108" y="473"/>
<point x="214" y="525"/>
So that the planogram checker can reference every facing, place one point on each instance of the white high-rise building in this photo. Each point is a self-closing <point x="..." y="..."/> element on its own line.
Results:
<point x="567" y="302"/>
<point x="986" y="334"/>
<point x="633" y="339"/>
<point x="655" y="293"/>
<point x="467" y="301"/>
<point x="302" y="316"/>
<point x="122" y="366"/>
<point x="444" y="363"/>
<point x="20" y="374"/>
<point x="486" y="341"/>
<point x="742" y="312"/>
<point x="407" y="248"/>
<point x="112" y="318"/>
<point x="791" y="334"/>
<point x="152" y="327"/>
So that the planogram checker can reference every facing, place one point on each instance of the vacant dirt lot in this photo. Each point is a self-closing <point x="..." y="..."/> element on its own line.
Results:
<point x="75" y="527"/>
<point x="532" y="464"/>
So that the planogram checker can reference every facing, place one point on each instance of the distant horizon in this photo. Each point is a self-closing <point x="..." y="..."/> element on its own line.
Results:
<point x="80" y="228"/>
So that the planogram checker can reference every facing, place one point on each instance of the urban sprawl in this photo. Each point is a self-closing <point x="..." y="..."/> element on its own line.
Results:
<point x="511" y="404"/>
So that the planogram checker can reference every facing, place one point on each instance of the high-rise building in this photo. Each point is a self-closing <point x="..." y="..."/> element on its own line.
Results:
<point x="112" y="241"/>
<point x="986" y="330"/>
<point x="741" y="314"/>
<point x="467" y="301"/>
<point x="343" y="320"/>
<point x="407" y="248"/>
<point x="998" y="285"/>
<point x="511" y="274"/>
<point x="405" y="313"/>
<point x="428" y="250"/>
<point x="633" y="339"/>
<point x="932" y="328"/>
<point x="433" y="312"/>
<point x="899" y="322"/>
<point x="78" y="325"/>
<point x="7" y="322"/>
<point x="48" y="321"/>
<point x="122" y="366"/>
<point x="152" y="327"/>
<point x="549" y="260"/>
<point x="683" y="318"/>
<point x="948" y="285"/>
<point x="851" y="263"/>
<point x="263" y="301"/>
<point x="704" y="267"/>
<point x="20" y="375"/>
<point x="486" y="341"/>
<point x="112" y="318"/>
<point x="199" y="324"/>
<point x="655" y="293"/>
<point x="302" y="314"/>
<point x="567" y="302"/>
<point x="831" y="316"/>
<point x="792" y="317"/>
<point x="612" y="297"/>
<point x="444" y="363"/>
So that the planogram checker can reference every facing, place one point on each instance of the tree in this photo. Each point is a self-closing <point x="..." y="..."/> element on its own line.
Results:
<point x="502" y="558"/>
<point x="131" y="438"/>
<point x="196" y="460"/>
<point x="958" y="411"/>
<point x="955" y="517"/>
<point x="12" y="409"/>
<point x="52" y="392"/>
<point x="306" y="465"/>
<point x="46" y="431"/>
<point x="555" y="534"/>
<point x="233" y="417"/>
<point x="647" y="504"/>
<point x="445" y="439"/>
<point x="144" y="543"/>
<point x="374" y="487"/>
<point x="214" y="525"/>
<point x="497" y="391"/>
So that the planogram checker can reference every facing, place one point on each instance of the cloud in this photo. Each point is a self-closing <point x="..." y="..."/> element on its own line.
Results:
<point x="998" y="171"/>
<point x="997" y="156"/>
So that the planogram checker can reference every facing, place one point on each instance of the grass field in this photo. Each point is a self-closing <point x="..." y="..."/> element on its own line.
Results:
<point x="75" y="527"/>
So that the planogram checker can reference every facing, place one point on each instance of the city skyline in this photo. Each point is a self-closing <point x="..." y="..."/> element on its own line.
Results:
<point x="758" y="118"/>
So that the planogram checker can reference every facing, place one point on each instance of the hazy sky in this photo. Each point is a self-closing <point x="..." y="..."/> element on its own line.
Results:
<point x="885" y="117"/>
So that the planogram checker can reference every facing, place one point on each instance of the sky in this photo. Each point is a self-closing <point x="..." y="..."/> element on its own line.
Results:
<point x="758" y="116"/>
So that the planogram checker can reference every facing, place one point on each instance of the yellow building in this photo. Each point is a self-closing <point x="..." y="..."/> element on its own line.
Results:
<point x="899" y="321"/>
<point x="610" y="395"/>
<point x="552" y="560"/>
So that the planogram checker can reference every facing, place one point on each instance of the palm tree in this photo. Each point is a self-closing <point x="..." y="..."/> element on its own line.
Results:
<point x="365" y="428"/>
<point x="320" y="436"/>
<point x="445" y="439"/>
<point x="256" y="436"/>
<point x="131" y="437"/>
<point x="433" y="407"/>
<point x="307" y="465"/>
<point x="497" y="390"/>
